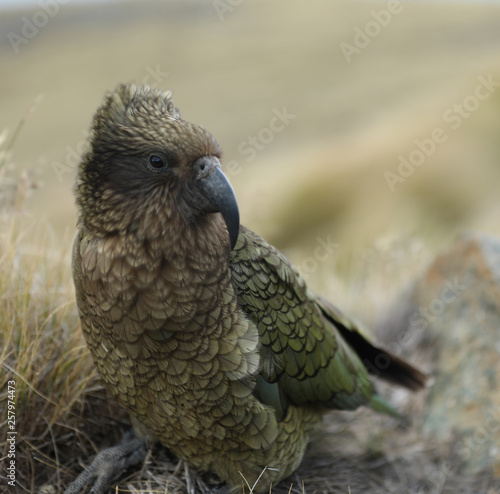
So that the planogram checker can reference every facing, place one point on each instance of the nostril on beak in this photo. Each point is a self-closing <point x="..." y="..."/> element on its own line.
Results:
<point x="205" y="166"/>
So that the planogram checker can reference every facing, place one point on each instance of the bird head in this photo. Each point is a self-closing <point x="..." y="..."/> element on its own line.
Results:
<point x="147" y="169"/>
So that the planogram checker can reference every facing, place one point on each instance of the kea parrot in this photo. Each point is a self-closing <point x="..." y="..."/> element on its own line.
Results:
<point x="204" y="332"/>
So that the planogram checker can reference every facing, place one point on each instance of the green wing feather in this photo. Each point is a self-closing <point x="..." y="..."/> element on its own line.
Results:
<point x="305" y="360"/>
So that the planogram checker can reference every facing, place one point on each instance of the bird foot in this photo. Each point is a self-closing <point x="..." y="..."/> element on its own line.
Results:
<point x="109" y="464"/>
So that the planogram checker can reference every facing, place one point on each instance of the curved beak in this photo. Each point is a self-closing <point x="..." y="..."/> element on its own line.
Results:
<point x="220" y="194"/>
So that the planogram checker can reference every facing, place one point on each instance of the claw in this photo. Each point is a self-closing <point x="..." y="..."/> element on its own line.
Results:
<point x="109" y="464"/>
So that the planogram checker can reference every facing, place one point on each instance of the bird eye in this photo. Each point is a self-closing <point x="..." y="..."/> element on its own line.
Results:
<point x="157" y="161"/>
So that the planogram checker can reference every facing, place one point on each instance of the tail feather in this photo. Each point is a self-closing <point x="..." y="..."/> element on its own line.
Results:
<point x="379" y="362"/>
<point x="378" y="404"/>
<point x="383" y="364"/>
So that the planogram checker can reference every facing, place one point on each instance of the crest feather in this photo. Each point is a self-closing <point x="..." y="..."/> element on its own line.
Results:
<point x="129" y="99"/>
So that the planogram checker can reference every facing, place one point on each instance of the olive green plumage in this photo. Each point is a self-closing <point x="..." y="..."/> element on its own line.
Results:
<point x="199" y="328"/>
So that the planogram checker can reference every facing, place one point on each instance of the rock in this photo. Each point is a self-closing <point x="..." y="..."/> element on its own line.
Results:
<point x="454" y="310"/>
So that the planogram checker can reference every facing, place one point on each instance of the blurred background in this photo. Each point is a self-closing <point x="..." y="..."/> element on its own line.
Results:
<point x="360" y="137"/>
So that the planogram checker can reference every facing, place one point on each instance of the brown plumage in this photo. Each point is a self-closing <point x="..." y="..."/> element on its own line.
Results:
<point x="200" y="329"/>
